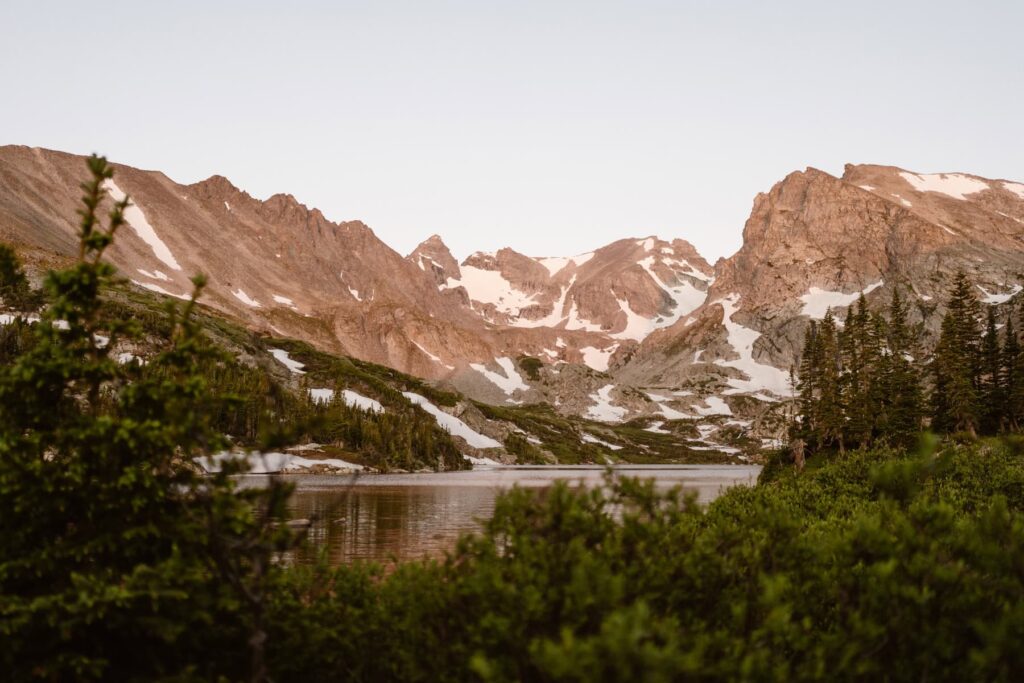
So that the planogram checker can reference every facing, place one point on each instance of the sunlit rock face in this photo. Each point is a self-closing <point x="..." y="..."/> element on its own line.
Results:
<point x="816" y="242"/>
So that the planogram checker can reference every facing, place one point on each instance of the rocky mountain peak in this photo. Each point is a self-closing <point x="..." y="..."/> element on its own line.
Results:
<point x="216" y="187"/>
<point x="434" y="257"/>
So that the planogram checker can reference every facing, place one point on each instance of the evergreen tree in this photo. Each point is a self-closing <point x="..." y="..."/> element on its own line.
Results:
<point x="15" y="292"/>
<point x="830" y="415"/>
<point x="899" y="387"/>
<point x="861" y="354"/>
<point x="1013" y="377"/>
<point x="808" y="386"/>
<point x="956" y="403"/>
<point x="990" y="380"/>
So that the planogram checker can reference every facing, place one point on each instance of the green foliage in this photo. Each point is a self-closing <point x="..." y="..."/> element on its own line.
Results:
<point x="526" y="453"/>
<point x="956" y="400"/>
<point x="531" y="366"/>
<point x="15" y="292"/>
<point x="116" y="556"/>
<point x="870" y="566"/>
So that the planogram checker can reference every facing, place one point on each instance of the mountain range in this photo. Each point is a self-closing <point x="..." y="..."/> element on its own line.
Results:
<point x="641" y="327"/>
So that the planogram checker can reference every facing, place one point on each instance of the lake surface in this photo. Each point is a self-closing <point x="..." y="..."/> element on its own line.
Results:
<point x="388" y="517"/>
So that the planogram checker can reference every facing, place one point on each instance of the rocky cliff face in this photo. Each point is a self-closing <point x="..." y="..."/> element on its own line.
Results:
<point x="816" y="242"/>
<point x="640" y="327"/>
<point x="623" y="291"/>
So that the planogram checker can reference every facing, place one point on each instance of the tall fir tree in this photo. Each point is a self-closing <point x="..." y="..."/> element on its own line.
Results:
<point x="956" y="403"/>
<point x="1013" y="377"/>
<point x="807" y="386"/>
<point x="899" y="386"/>
<point x="990" y="379"/>
<point x="830" y="415"/>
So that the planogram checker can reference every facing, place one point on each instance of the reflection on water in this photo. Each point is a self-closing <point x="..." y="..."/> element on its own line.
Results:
<point x="406" y="516"/>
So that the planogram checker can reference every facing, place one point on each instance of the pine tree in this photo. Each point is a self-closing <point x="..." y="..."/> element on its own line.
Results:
<point x="990" y="380"/>
<point x="899" y="387"/>
<point x="956" y="404"/>
<point x="1013" y="377"/>
<point x="15" y="292"/>
<point x="861" y="353"/>
<point x="830" y="414"/>
<point x="807" y="387"/>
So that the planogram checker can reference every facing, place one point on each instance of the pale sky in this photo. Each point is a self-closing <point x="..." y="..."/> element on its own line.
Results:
<point x="550" y="127"/>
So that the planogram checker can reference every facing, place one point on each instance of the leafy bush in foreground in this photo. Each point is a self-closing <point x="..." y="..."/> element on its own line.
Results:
<point x="118" y="561"/>
<point x="876" y="566"/>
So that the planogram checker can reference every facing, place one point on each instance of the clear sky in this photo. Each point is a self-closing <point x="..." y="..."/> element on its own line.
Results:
<point x="551" y="127"/>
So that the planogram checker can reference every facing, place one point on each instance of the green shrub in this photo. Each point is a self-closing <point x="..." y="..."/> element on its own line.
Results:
<point x="878" y="565"/>
<point x="531" y="366"/>
<point x="118" y="561"/>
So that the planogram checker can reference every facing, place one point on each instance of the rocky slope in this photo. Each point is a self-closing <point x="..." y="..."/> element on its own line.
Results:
<point x="638" y="328"/>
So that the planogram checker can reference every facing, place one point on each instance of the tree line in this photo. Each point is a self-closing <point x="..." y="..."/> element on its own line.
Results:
<point x="872" y="379"/>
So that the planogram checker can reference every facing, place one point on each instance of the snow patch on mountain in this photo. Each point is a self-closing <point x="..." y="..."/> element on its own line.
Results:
<point x="491" y="287"/>
<point x="818" y="301"/>
<point x="713" y="406"/>
<point x="685" y="297"/>
<point x="155" y="275"/>
<point x="246" y="299"/>
<point x="269" y="463"/>
<point x="321" y="395"/>
<point x="555" y="317"/>
<point x="510" y="382"/>
<point x="669" y="412"/>
<point x="134" y="217"/>
<point x="761" y="377"/>
<point x="160" y="290"/>
<point x="356" y="399"/>
<point x="556" y="264"/>
<point x="596" y="358"/>
<point x="637" y="326"/>
<point x="348" y="397"/>
<point x="655" y="428"/>
<point x="1015" y="188"/>
<point x="603" y="410"/>
<point x="575" y="322"/>
<point x="590" y="438"/>
<point x="452" y="424"/>
<point x="997" y="298"/>
<point x="481" y="462"/>
<point x="284" y="359"/>
<point x="431" y="356"/>
<point x="955" y="185"/>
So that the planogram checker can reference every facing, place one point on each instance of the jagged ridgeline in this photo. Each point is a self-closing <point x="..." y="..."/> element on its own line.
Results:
<point x="336" y="408"/>
<point x="875" y="378"/>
